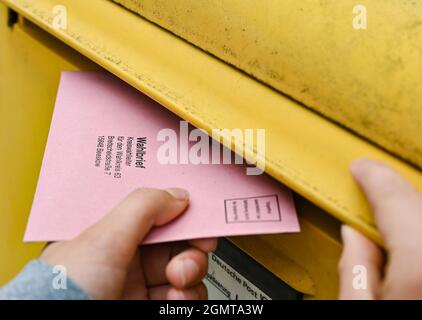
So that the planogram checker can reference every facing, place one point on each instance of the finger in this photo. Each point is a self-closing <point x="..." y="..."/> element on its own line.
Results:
<point x="121" y="231"/>
<point x="167" y="292"/>
<point x="187" y="268"/>
<point x="155" y="259"/>
<point x="159" y="292"/>
<point x="360" y="267"/>
<point x="134" y="287"/>
<point x="206" y="245"/>
<point x="397" y="206"/>
<point x="199" y="292"/>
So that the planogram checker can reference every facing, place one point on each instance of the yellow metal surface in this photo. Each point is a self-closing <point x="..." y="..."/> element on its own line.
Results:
<point x="308" y="153"/>
<point x="305" y="151"/>
<point x="366" y="79"/>
<point x="30" y="64"/>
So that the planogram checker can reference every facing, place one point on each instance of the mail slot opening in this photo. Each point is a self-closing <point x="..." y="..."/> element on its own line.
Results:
<point x="234" y="275"/>
<point x="12" y="17"/>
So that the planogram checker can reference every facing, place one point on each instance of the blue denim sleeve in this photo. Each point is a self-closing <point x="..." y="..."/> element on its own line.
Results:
<point x="39" y="281"/>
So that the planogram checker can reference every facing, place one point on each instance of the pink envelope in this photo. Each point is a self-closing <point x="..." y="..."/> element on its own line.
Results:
<point x="86" y="172"/>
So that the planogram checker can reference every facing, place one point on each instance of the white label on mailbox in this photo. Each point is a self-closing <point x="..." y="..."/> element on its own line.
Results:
<point x="225" y="283"/>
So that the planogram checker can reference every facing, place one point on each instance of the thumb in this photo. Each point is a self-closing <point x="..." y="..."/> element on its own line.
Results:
<point x="397" y="206"/>
<point x="121" y="231"/>
<point x="360" y="267"/>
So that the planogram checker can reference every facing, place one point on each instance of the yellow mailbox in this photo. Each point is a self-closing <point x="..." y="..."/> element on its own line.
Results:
<point x="325" y="92"/>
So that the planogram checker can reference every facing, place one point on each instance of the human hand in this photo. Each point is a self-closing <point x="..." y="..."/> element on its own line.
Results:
<point x="397" y="208"/>
<point x="106" y="261"/>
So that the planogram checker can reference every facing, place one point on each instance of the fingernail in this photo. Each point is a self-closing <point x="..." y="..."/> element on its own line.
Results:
<point x="178" y="193"/>
<point x="187" y="269"/>
<point x="345" y="232"/>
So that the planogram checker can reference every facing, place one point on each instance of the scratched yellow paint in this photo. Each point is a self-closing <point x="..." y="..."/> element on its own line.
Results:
<point x="368" y="80"/>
